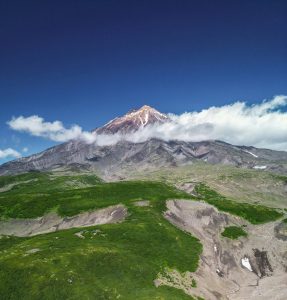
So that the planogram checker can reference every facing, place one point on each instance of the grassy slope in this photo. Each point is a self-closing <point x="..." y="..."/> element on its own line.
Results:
<point x="41" y="182"/>
<point x="119" y="262"/>
<point x="35" y="198"/>
<point x="34" y="194"/>
<point x="240" y="185"/>
<point x="255" y="214"/>
<point x="233" y="232"/>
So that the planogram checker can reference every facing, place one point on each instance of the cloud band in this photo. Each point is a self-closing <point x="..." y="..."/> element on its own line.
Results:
<point x="260" y="125"/>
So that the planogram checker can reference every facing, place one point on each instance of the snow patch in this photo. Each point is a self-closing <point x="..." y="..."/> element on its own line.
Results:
<point x="260" y="167"/>
<point x="141" y="120"/>
<point x="254" y="155"/>
<point x="245" y="263"/>
<point x="146" y="118"/>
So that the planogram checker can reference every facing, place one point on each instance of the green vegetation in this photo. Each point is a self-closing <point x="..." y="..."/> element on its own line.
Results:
<point x="233" y="232"/>
<point x="240" y="185"/>
<point x="285" y="221"/>
<point x="255" y="214"/>
<point x="37" y="182"/>
<point x="114" y="261"/>
<point x="46" y="192"/>
<point x="193" y="283"/>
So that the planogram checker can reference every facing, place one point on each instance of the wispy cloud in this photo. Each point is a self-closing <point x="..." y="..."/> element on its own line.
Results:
<point x="260" y="125"/>
<point x="9" y="153"/>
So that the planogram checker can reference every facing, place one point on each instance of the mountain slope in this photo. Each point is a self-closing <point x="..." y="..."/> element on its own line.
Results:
<point x="153" y="153"/>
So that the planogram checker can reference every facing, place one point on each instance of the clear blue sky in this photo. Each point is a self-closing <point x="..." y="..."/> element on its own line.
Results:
<point x="87" y="61"/>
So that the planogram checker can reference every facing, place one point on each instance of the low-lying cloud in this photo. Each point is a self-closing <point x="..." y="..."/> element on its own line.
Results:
<point x="9" y="152"/>
<point x="260" y="125"/>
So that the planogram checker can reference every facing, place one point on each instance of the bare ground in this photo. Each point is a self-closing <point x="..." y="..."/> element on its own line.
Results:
<point x="252" y="267"/>
<point x="52" y="222"/>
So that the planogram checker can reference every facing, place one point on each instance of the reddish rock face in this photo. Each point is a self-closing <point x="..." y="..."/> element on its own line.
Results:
<point x="133" y="120"/>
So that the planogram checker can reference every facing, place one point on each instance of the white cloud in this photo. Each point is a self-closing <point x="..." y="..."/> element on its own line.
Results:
<point x="54" y="131"/>
<point x="260" y="125"/>
<point x="9" y="152"/>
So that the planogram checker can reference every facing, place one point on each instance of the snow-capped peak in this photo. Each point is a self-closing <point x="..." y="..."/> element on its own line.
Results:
<point x="133" y="120"/>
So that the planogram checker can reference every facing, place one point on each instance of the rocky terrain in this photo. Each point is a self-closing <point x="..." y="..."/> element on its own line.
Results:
<point x="252" y="267"/>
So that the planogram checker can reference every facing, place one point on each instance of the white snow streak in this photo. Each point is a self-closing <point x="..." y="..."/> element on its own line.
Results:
<point x="254" y="155"/>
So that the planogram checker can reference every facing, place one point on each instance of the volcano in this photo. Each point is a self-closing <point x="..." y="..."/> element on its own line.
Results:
<point x="112" y="160"/>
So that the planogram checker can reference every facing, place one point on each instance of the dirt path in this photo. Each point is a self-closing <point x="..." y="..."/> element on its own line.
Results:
<point x="52" y="222"/>
<point x="247" y="268"/>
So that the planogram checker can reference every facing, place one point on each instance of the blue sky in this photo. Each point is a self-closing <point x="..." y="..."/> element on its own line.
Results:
<point x="87" y="61"/>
